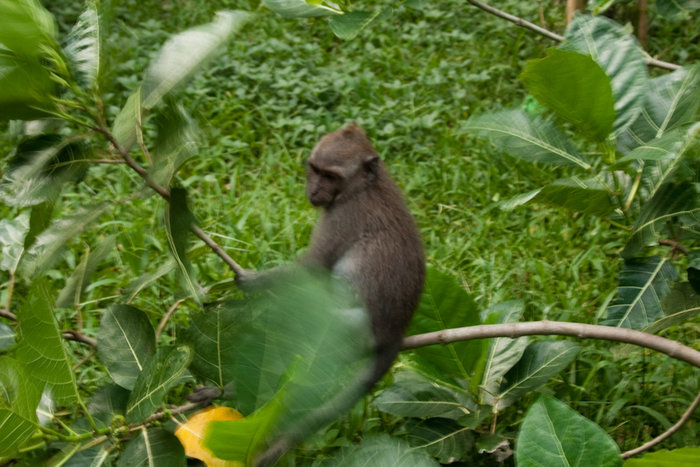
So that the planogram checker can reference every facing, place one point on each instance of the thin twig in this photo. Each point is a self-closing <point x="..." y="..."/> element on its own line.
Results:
<point x="547" y="33"/>
<point x="7" y="314"/>
<point x="77" y="336"/>
<point x="167" y="315"/>
<point x="667" y="346"/>
<point x="684" y="418"/>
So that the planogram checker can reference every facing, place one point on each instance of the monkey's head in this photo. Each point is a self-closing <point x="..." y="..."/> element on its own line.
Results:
<point x="340" y="166"/>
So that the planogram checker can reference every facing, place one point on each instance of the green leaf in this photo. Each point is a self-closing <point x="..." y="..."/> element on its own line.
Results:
<point x="7" y="337"/>
<point x="84" y="46"/>
<point x="672" y="101"/>
<point x="619" y="54"/>
<point x="644" y="282"/>
<point x="540" y="362"/>
<point x="417" y="396"/>
<point x="564" y="77"/>
<point x="683" y="457"/>
<point x="554" y="435"/>
<point x="138" y="284"/>
<point x="183" y="54"/>
<point x="12" y="234"/>
<point x="443" y="439"/>
<point x="299" y="8"/>
<point x="587" y="196"/>
<point x="26" y="26"/>
<point x="49" y="245"/>
<point x="175" y="144"/>
<point x="41" y="347"/>
<point x="153" y="446"/>
<point x="681" y="304"/>
<point x="128" y="120"/>
<point x="382" y="450"/>
<point x="528" y="138"/>
<point x="19" y="399"/>
<point x="669" y="202"/>
<point x="161" y="372"/>
<point x="347" y="26"/>
<point x="502" y="353"/>
<point x="76" y="283"/>
<point x="125" y="342"/>
<point x="445" y="305"/>
<point x="178" y="220"/>
<point x="668" y="146"/>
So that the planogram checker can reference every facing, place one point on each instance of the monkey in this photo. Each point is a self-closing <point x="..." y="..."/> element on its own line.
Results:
<point x="366" y="235"/>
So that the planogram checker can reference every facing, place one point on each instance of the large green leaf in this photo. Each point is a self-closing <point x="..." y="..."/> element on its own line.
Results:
<point x="178" y="220"/>
<point x="445" y="305"/>
<point x="300" y="8"/>
<point x="347" y="26"/>
<point x="553" y="434"/>
<point x="644" y="282"/>
<point x="681" y="304"/>
<point x="528" y="138"/>
<point x="381" y="450"/>
<point x="417" y="396"/>
<point x="153" y="447"/>
<point x="84" y="47"/>
<point x="7" y="337"/>
<point x="672" y="101"/>
<point x="443" y="439"/>
<point x="76" y="283"/>
<point x="41" y="348"/>
<point x="19" y="399"/>
<point x="12" y="233"/>
<point x="161" y="372"/>
<point x="128" y="120"/>
<point x="540" y="362"/>
<point x="125" y="342"/>
<point x="587" y="196"/>
<point x="183" y="54"/>
<point x="619" y="54"/>
<point x="50" y="244"/>
<point x="175" y="144"/>
<point x="575" y="87"/>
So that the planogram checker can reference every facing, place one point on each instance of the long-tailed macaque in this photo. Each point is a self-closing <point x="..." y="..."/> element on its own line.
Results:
<point x="366" y="235"/>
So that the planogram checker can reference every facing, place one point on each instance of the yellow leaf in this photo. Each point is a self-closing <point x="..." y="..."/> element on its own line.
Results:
<point x="191" y="435"/>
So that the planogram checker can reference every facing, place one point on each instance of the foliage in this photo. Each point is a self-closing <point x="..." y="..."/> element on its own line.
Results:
<point x="91" y="260"/>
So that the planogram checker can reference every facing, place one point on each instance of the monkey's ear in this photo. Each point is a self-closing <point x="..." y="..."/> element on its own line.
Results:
<point x="353" y="127"/>
<point x="371" y="165"/>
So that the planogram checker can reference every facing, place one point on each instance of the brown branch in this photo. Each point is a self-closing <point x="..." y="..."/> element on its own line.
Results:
<point x="7" y="314"/>
<point x="667" y="346"/>
<point x="165" y="194"/>
<point x="684" y="418"/>
<point x="167" y="315"/>
<point x="78" y="336"/>
<point x="554" y="36"/>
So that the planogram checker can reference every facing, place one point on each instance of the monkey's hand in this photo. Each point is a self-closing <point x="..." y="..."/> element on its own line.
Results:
<point x="246" y="279"/>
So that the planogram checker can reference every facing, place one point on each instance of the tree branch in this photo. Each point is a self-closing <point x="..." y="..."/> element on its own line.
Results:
<point x="669" y="347"/>
<point x="554" y="36"/>
<point x="684" y="418"/>
<point x="78" y="336"/>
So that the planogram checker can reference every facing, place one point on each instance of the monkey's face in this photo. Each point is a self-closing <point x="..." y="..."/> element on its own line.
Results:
<point x="322" y="185"/>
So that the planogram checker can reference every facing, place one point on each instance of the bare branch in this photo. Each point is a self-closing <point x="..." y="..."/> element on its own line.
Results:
<point x="684" y="418"/>
<point x="78" y="336"/>
<point x="591" y="331"/>
<point x="7" y="314"/>
<point x="554" y="36"/>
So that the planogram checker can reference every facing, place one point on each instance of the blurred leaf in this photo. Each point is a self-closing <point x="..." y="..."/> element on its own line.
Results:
<point x="138" y="284"/>
<point x="7" y="337"/>
<point x="49" y="244"/>
<point x="554" y="435"/>
<point x="528" y="138"/>
<point x="575" y="88"/>
<point x="299" y="8"/>
<point x="178" y="220"/>
<point x="502" y="353"/>
<point x="445" y="305"/>
<point x="19" y="399"/>
<point x="644" y="282"/>
<point x="587" y="196"/>
<point x="40" y="166"/>
<point x="619" y="54"/>
<point x="176" y="143"/>
<point x="683" y="457"/>
<point x="39" y="220"/>
<point x="161" y="372"/>
<point x="153" y="446"/>
<point x="669" y="202"/>
<point x="110" y="400"/>
<point x="12" y="234"/>
<point x="76" y="283"/>
<point x="672" y="101"/>
<point x="443" y="439"/>
<point x="183" y="54"/>
<point x="125" y="342"/>
<point x="669" y="145"/>
<point x="540" y="362"/>
<point x="41" y="347"/>
<point x="191" y="434"/>
<point x="28" y="30"/>
<point x="84" y="45"/>
<point x="348" y="25"/>
<point x="417" y="396"/>
<point x="681" y="304"/>
<point x="128" y="120"/>
<point x="381" y="450"/>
